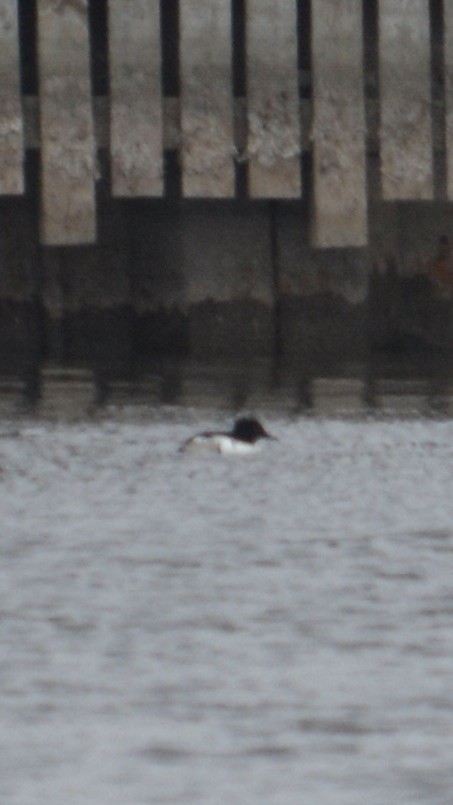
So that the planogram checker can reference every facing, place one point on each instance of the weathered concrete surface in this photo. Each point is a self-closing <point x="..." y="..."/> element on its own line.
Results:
<point x="22" y="328"/>
<point x="321" y="294"/>
<point x="157" y="278"/>
<point x="206" y="99"/>
<point x="407" y="310"/>
<point x="274" y="135"/>
<point x="205" y="271"/>
<point x="338" y="133"/>
<point x="11" y="122"/>
<point x="218" y="280"/>
<point x="405" y="92"/>
<point x="67" y="133"/>
<point x="163" y="281"/>
<point x="86" y="292"/>
<point x="448" y="81"/>
<point x="136" y="130"/>
<point x="407" y="314"/>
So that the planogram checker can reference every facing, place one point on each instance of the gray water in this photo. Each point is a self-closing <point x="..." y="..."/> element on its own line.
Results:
<point x="186" y="629"/>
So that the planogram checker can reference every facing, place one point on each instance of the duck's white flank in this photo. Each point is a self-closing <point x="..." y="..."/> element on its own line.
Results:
<point x="220" y="443"/>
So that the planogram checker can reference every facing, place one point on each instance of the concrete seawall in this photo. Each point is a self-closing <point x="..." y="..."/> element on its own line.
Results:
<point x="235" y="178"/>
<point x="207" y="279"/>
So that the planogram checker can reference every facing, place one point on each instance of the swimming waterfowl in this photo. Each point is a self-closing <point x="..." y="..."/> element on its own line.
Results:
<point x="245" y="437"/>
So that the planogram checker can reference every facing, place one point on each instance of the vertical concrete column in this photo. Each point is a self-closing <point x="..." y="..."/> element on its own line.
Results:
<point x="274" y="137"/>
<point x="136" y="98"/>
<point x="339" y="137"/>
<point x="448" y="56"/>
<point x="67" y="137"/>
<point x="11" y="123"/>
<point x="405" y="89"/>
<point x="206" y="98"/>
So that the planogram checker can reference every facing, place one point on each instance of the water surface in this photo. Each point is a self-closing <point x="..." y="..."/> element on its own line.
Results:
<point x="185" y="629"/>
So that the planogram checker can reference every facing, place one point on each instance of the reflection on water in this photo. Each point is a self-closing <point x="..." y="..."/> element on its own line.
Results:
<point x="419" y="387"/>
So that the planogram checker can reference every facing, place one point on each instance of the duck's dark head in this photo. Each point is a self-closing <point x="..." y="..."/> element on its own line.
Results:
<point x="249" y="429"/>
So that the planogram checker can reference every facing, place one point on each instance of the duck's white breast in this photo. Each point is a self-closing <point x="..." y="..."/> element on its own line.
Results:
<point x="235" y="447"/>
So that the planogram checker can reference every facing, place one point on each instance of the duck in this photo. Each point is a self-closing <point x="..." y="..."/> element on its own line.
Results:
<point x="245" y="437"/>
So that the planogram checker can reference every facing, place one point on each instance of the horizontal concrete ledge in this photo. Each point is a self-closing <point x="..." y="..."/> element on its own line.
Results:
<point x="65" y="393"/>
<point x="172" y="125"/>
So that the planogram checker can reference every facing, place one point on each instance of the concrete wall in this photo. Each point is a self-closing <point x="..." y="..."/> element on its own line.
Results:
<point x="213" y="279"/>
<point x="223" y="277"/>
